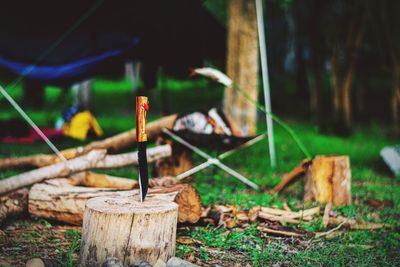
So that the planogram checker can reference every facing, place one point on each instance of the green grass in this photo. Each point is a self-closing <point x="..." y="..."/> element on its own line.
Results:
<point x="113" y="104"/>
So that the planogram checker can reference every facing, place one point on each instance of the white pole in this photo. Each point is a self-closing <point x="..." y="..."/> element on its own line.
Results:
<point x="265" y="78"/>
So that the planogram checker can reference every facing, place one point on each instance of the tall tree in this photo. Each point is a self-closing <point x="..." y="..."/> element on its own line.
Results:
<point x="317" y="54"/>
<point x="391" y="44"/>
<point x="344" y="37"/>
<point x="242" y="63"/>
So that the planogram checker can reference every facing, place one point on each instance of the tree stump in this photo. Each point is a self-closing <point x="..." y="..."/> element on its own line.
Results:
<point x="328" y="180"/>
<point x="128" y="230"/>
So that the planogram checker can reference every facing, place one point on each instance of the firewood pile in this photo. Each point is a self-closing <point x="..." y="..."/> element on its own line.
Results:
<point x="60" y="190"/>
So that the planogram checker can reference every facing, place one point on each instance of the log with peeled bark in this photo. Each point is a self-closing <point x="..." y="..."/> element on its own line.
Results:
<point x="13" y="204"/>
<point x="114" y="143"/>
<point x="62" y="169"/>
<point x="59" y="200"/>
<point x="129" y="230"/>
<point x="96" y="159"/>
<point x="328" y="180"/>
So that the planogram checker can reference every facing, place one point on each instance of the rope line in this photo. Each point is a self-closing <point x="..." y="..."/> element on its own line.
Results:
<point x="32" y="124"/>
<point x="284" y="125"/>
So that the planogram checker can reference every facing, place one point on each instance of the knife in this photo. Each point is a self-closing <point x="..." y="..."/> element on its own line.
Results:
<point x="142" y="105"/>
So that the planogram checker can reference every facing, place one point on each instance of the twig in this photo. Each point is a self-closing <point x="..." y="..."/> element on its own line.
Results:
<point x="318" y="235"/>
<point x="279" y="232"/>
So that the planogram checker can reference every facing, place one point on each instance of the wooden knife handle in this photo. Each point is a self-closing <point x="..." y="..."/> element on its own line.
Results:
<point x="142" y="105"/>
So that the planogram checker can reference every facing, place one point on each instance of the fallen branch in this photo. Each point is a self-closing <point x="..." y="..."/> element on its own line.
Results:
<point x="114" y="143"/>
<point x="331" y="231"/>
<point x="274" y="218"/>
<point x="57" y="170"/>
<point x="295" y="173"/>
<point x="279" y="232"/>
<point x="283" y="215"/>
<point x="122" y="160"/>
<point x="356" y="224"/>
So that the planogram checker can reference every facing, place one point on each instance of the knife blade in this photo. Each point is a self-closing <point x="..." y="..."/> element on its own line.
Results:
<point x="142" y="105"/>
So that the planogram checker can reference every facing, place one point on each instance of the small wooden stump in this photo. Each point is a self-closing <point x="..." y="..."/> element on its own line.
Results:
<point x="328" y="180"/>
<point x="128" y="230"/>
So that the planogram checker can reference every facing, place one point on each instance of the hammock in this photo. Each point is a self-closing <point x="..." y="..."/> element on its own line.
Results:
<point x="56" y="72"/>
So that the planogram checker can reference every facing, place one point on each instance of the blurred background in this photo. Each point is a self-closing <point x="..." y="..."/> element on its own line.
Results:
<point x="333" y="65"/>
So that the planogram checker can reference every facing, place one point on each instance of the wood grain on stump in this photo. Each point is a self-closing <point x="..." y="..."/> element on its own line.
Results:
<point x="129" y="230"/>
<point x="328" y="180"/>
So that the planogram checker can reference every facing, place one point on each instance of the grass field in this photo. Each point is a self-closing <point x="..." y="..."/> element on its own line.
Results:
<point x="370" y="181"/>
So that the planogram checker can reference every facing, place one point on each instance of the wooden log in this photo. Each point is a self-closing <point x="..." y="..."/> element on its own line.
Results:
<point x="242" y="64"/>
<point x="126" y="159"/>
<point x="114" y="143"/>
<point x="128" y="230"/>
<point x="178" y="162"/>
<point x="328" y="179"/>
<point x="95" y="159"/>
<point x="292" y="175"/>
<point x="59" y="200"/>
<point x="13" y="204"/>
<point x="57" y="170"/>
<point x="91" y="179"/>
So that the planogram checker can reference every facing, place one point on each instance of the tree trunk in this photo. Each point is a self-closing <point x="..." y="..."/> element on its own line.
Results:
<point x="128" y="230"/>
<point x="114" y="143"/>
<point x="328" y="180"/>
<point x="317" y="51"/>
<point x="301" y="70"/>
<point x="242" y="64"/>
<point x="62" y="200"/>
<point x="395" y="102"/>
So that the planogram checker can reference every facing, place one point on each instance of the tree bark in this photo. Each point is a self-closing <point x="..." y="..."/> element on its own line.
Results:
<point x="328" y="180"/>
<point x="395" y="107"/>
<point x="62" y="200"/>
<point x="114" y="143"/>
<point x="13" y="204"/>
<point x="343" y="67"/>
<point x="242" y="64"/>
<point x="128" y="230"/>
<point x="393" y="55"/>
<point x="316" y="61"/>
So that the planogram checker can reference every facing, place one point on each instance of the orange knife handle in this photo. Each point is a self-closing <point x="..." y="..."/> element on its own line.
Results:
<point x="142" y="105"/>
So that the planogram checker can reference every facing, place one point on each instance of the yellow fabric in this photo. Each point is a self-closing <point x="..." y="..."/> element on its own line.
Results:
<point x="80" y="125"/>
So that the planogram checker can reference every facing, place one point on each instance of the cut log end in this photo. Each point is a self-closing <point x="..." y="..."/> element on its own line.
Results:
<point x="125" y="228"/>
<point x="189" y="205"/>
<point x="328" y="180"/>
<point x="129" y="205"/>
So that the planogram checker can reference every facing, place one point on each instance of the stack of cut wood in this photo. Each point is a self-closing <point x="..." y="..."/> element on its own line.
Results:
<point x="61" y="189"/>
